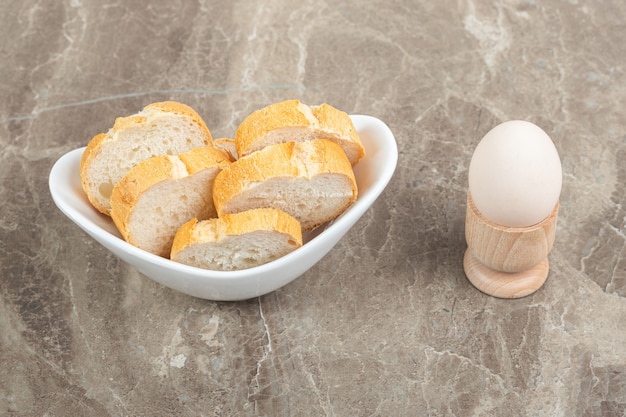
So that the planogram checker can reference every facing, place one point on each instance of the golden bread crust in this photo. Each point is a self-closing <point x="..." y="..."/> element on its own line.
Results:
<point x="184" y="110"/>
<point x="127" y="122"/>
<point x="153" y="171"/>
<point x="131" y="123"/>
<point x="318" y="122"/>
<point x="249" y="221"/>
<point x="91" y="151"/>
<point x="198" y="159"/>
<point x="228" y="145"/>
<point x="283" y="160"/>
<point x="263" y="121"/>
<point x="338" y="123"/>
<point x="128" y="191"/>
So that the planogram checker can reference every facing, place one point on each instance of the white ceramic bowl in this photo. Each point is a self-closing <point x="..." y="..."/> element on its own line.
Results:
<point x="372" y="173"/>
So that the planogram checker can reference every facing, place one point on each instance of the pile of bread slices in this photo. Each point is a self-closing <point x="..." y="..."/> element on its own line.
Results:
<point x="228" y="203"/>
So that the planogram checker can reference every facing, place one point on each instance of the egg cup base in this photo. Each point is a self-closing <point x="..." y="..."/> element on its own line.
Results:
<point x="504" y="284"/>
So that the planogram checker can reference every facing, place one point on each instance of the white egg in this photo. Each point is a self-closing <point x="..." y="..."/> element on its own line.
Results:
<point x="515" y="174"/>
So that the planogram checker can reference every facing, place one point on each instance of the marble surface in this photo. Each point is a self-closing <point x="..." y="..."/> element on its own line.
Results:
<point x="387" y="324"/>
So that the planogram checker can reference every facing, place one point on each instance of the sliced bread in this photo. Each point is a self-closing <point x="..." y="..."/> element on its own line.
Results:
<point x="160" y="194"/>
<point x="237" y="241"/>
<point x="295" y="121"/>
<point x="165" y="128"/>
<point x="313" y="181"/>
<point x="228" y="145"/>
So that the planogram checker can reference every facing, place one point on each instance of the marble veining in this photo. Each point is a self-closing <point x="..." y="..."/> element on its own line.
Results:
<point x="386" y="324"/>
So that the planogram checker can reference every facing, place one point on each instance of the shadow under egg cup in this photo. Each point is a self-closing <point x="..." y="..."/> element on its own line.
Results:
<point x="507" y="262"/>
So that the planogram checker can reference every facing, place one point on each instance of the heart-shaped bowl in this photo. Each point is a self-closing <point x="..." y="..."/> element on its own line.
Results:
<point x="373" y="173"/>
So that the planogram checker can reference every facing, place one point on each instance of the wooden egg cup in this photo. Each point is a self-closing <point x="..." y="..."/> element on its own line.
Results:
<point x="507" y="262"/>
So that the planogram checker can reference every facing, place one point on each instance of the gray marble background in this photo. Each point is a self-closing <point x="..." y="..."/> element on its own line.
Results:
<point x="386" y="324"/>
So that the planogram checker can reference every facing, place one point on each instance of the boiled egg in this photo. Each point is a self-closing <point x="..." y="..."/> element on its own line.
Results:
<point x="515" y="174"/>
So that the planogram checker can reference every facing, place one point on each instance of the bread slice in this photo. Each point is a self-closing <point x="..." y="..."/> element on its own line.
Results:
<point x="165" y="128"/>
<point x="228" y="145"/>
<point x="160" y="194"/>
<point x="237" y="241"/>
<point x="295" y="121"/>
<point x="313" y="181"/>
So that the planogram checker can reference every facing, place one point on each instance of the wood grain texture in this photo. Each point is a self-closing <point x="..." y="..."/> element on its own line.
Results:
<point x="508" y="249"/>
<point x="503" y="284"/>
